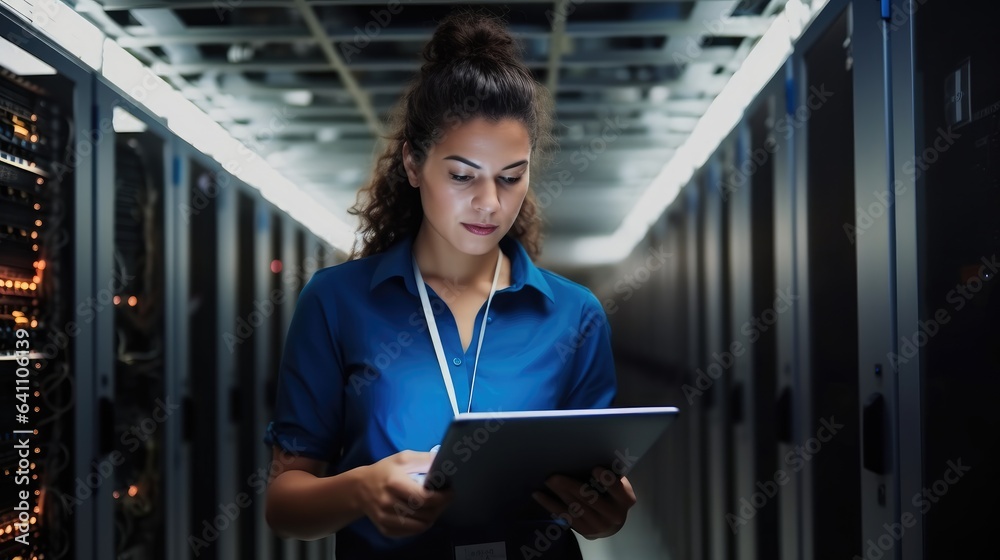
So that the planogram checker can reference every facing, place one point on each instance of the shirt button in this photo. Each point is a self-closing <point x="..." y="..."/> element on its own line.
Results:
<point x="489" y="319"/>
<point x="457" y="361"/>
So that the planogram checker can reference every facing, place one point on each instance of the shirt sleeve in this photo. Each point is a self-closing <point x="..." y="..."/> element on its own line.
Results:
<point x="595" y="383"/>
<point x="308" y="412"/>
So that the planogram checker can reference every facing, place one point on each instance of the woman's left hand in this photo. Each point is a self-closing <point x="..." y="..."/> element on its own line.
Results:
<point x="595" y="508"/>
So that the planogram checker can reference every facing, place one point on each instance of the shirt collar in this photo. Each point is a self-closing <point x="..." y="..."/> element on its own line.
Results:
<point x="397" y="261"/>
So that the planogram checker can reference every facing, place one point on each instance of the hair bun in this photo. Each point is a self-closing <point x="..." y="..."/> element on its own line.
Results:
<point x="467" y="35"/>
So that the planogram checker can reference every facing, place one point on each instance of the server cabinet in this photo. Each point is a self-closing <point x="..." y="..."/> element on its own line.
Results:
<point x="296" y="269"/>
<point x="786" y="327"/>
<point x="265" y="265"/>
<point x="251" y="323"/>
<point x="140" y="435"/>
<point x="282" y="268"/>
<point x="908" y="540"/>
<point x="873" y="233"/>
<point x="733" y="187"/>
<point x="177" y="291"/>
<point x="47" y="298"/>
<point x="947" y="141"/>
<point x="749" y="187"/>
<point x="658" y="301"/>
<point x="202" y="268"/>
<point x="675" y="497"/>
<point x="311" y="262"/>
<point x="698" y="512"/>
<point x="716" y="360"/>
<point x="828" y="443"/>
<point x="234" y="233"/>
<point x="315" y="251"/>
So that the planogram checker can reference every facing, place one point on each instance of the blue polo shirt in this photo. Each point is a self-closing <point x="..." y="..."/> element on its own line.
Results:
<point x="359" y="379"/>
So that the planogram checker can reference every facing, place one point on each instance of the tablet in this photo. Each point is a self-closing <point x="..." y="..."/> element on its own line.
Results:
<point x="493" y="461"/>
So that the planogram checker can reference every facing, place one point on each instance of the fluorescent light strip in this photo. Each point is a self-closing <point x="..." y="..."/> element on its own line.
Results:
<point x="123" y="121"/>
<point x="70" y="30"/>
<point x="81" y="38"/>
<point x="21" y="62"/>
<point x="725" y="112"/>
<point x="19" y="7"/>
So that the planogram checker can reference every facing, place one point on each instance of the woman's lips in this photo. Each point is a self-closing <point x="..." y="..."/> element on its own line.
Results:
<point x="480" y="229"/>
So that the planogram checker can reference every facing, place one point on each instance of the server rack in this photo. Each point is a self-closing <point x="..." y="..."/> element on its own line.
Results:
<point x="785" y="328"/>
<point x="694" y="210"/>
<point x="677" y="443"/>
<point x="714" y="280"/>
<point x="132" y="469"/>
<point x="62" y="340"/>
<point x="907" y="310"/>
<point x="874" y="238"/>
<point x="136" y="211"/>
<point x="947" y="137"/>
<point x="250" y="324"/>
<point x="201" y="271"/>
<point x="286" y="243"/>
<point x="750" y="188"/>
<point x="741" y="283"/>
<point x="219" y="487"/>
<point x="669" y="378"/>
<point x="269" y="236"/>
<point x="828" y="442"/>
<point x="813" y="229"/>
<point x="296" y="269"/>
<point x="906" y="476"/>
<point x="178" y="433"/>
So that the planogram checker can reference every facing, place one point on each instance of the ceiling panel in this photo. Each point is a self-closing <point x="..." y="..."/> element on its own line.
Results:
<point x="304" y="84"/>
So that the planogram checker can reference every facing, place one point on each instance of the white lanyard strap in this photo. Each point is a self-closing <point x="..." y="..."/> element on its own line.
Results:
<point x="436" y="337"/>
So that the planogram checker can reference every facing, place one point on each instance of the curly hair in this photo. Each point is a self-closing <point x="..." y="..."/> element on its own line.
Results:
<point x="472" y="69"/>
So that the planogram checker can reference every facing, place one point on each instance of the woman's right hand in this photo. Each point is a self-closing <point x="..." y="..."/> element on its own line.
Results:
<point x="397" y="505"/>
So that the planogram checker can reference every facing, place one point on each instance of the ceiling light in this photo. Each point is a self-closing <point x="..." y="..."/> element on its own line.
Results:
<point x="658" y="94"/>
<point x="70" y="30"/>
<point x="128" y="73"/>
<point x="21" y="62"/>
<point x="239" y="53"/>
<point x="797" y="14"/>
<point x="327" y="135"/>
<point x="656" y="120"/>
<point x="298" y="97"/>
<point x="623" y="94"/>
<point x="123" y="121"/>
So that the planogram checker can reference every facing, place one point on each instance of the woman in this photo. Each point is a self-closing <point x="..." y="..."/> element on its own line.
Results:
<point x="450" y="228"/>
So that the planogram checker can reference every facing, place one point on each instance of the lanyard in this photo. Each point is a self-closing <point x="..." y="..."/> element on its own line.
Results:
<point x="436" y="337"/>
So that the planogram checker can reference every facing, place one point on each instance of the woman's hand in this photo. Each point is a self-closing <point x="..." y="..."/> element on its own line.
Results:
<point x="595" y="508"/>
<point x="398" y="505"/>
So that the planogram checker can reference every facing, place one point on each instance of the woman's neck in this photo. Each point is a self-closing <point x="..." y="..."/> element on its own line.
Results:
<point x="439" y="260"/>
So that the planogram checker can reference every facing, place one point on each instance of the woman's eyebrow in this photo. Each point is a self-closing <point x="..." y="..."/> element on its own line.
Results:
<point x="469" y="163"/>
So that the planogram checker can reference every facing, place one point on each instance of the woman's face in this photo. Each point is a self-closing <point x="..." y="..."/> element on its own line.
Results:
<point x="473" y="182"/>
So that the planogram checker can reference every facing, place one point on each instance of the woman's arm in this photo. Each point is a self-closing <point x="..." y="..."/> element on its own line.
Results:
<point x="303" y="504"/>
